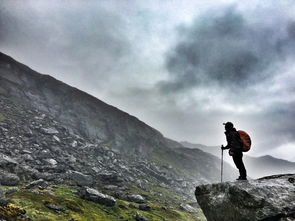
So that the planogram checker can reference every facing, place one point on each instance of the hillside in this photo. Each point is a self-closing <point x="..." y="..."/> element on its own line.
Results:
<point x="58" y="141"/>
<point x="78" y="111"/>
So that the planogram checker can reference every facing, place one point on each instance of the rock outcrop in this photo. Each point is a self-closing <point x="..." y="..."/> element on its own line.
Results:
<point x="269" y="199"/>
<point x="95" y="196"/>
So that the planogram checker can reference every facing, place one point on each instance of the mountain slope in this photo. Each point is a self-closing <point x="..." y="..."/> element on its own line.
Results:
<point x="53" y="133"/>
<point x="77" y="110"/>
<point x="89" y="117"/>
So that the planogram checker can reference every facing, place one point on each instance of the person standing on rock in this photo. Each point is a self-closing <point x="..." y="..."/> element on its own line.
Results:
<point x="235" y="146"/>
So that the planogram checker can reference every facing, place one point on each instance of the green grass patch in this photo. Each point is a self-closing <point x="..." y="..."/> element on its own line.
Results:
<point x="83" y="210"/>
<point x="2" y="117"/>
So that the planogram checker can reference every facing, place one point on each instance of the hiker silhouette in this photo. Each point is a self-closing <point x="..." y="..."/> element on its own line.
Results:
<point x="235" y="146"/>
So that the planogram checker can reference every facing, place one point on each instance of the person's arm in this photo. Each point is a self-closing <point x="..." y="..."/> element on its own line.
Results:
<point x="227" y="146"/>
<point x="224" y="147"/>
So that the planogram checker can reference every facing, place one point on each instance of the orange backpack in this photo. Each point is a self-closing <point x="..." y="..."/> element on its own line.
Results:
<point x="246" y="140"/>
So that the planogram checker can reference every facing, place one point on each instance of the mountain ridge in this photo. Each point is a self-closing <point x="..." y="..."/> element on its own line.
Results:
<point x="44" y="92"/>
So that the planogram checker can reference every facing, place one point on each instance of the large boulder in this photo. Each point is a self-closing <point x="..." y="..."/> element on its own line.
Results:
<point x="8" y="179"/>
<point x="81" y="179"/>
<point x="7" y="163"/>
<point x="136" y="198"/>
<point x="95" y="196"/>
<point x="270" y="198"/>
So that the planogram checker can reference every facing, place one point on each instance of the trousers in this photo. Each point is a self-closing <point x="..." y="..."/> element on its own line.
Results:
<point x="238" y="160"/>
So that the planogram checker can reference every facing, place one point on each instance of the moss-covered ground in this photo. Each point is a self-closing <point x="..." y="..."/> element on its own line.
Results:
<point x="2" y="117"/>
<point x="65" y="197"/>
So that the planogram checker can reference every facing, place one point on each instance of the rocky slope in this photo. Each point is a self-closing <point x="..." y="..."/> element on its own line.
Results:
<point x="78" y="111"/>
<point x="58" y="145"/>
<point x="92" y="119"/>
<point x="41" y="159"/>
<point x="269" y="199"/>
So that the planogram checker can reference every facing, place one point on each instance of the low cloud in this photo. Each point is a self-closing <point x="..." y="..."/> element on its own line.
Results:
<point x="184" y="68"/>
<point x="227" y="48"/>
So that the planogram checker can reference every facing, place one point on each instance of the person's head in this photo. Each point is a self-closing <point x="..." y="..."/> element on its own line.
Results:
<point x="228" y="126"/>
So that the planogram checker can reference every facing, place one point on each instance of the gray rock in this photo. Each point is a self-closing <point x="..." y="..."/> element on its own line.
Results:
<point x="187" y="208"/>
<point x="95" y="196"/>
<point x="51" y="162"/>
<point x="81" y="179"/>
<point x="268" y="198"/>
<point x="111" y="187"/>
<point x="56" y="138"/>
<point x="27" y="157"/>
<point x="144" y="207"/>
<point x="74" y="143"/>
<point x="54" y="207"/>
<point x="49" y="131"/>
<point x="135" y="198"/>
<point x="44" y="154"/>
<point x="140" y="217"/>
<point x="37" y="183"/>
<point x="7" y="162"/>
<point x="72" y="159"/>
<point x="8" y="179"/>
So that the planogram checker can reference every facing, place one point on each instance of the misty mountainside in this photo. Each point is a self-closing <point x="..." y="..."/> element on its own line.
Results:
<point x="256" y="166"/>
<point x="77" y="110"/>
<point x="59" y="144"/>
<point x="92" y="119"/>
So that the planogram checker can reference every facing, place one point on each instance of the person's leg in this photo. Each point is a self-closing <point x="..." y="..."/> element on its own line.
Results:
<point x="242" y="169"/>
<point x="240" y="165"/>
<point x="236" y="161"/>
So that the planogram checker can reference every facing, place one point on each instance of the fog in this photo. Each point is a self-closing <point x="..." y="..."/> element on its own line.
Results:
<point x="183" y="68"/>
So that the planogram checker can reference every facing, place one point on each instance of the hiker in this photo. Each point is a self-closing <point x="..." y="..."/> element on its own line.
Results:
<point x="235" y="146"/>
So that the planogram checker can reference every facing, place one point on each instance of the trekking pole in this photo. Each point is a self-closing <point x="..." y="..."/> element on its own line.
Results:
<point x="221" y="162"/>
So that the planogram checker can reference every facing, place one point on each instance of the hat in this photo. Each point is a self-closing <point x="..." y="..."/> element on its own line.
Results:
<point x="228" y="124"/>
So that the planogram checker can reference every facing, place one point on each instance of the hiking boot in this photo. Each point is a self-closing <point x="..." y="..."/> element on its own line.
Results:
<point x="242" y="178"/>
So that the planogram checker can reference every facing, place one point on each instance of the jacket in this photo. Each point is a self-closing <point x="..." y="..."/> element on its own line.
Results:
<point x="234" y="142"/>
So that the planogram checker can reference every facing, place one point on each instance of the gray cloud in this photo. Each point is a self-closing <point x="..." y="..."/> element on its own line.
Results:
<point x="230" y="63"/>
<point x="228" y="48"/>
<point x="67" y="40"/>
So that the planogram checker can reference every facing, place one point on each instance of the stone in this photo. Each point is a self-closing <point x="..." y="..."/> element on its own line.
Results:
<point x="81" y="179"/>
<point x="111" y="187"/>
<point x="72" y="159"/>
<point x="49" y="131"/>
<point x="144" y="207"/>
<point x="37" y="183"/>
<point x="111" y="178"/>
<point x="187" y="208"/>
<point x="74" y="143"/>
<point x="56" y="138"/>
<point x="140" y="217"/>
<point x="27" y="157"/>
<point x="6" y="161"/>
<point x="95" y="196"/>
<point x="52" y="162"/>
<point x="136" y="198"/>
<point x="8" y="179"/>
<point x="268" y="198"/>
<point x="54" y="207"/>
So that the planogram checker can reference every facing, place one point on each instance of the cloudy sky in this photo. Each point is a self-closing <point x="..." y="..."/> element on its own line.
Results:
<point x="183" y="67"/>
